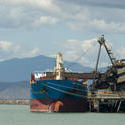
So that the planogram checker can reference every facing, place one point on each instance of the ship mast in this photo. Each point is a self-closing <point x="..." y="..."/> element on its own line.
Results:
<point x="59" y="69"/>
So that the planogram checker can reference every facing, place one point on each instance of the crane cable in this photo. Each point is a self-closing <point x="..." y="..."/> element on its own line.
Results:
<point x="78" y="58"/>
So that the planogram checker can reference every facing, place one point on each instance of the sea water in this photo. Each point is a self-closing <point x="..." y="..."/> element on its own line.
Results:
<point x="20" y="115"/>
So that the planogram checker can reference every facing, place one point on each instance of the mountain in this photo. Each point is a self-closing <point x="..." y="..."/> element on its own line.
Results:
<point x="14" y="90"/>
<point x="15" y="74"/>
<point x="20" y="69"/>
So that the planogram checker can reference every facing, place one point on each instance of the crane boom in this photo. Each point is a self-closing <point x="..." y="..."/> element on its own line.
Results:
<point x="101" y="41"/>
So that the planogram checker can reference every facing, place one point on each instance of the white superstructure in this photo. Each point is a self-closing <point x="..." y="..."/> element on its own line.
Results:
<point x="59" y="69"/>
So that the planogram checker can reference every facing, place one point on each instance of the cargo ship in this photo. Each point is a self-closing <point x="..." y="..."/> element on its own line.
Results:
<point x="55" y="92"/>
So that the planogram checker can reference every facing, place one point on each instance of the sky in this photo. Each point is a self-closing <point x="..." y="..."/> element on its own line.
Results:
<point x="45" y="27"/>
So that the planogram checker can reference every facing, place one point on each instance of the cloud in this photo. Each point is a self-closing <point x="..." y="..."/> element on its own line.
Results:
<point x="78" y="51"/>
<point x="45" y="20"/>
<point x="9" y="50"/>
<point x="30" y="53"/>
<point x="121" y="53"/>
<point x="103" y="3"/>
<point x="5" y="45"/>
<point x="48" y="20"/>
<point x="98" y="25"/>
<point x="23" y="14"/>
<point x="94" y="15"/>
<point x="43" y="4"/>
<point x="85" y="52"/>
<point x="88" y="15"/>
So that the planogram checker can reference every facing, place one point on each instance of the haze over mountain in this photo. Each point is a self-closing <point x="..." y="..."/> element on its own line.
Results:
<point x="20" y="69"/>
<point x="15" y="90"/>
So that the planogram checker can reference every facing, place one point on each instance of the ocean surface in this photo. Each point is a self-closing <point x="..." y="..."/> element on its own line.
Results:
<point x="20" y="115"/>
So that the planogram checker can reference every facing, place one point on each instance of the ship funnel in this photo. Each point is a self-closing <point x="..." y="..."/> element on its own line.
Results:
<point x="59" y="69"/>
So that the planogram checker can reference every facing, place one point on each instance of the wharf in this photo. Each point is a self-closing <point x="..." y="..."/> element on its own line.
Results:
<point x="108" y="102"/>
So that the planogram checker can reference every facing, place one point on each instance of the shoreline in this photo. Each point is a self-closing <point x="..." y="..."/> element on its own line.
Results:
<point x="18" y="102"/>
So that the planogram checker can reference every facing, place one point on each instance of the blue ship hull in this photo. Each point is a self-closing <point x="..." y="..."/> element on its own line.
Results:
<point x="58" y="95"/>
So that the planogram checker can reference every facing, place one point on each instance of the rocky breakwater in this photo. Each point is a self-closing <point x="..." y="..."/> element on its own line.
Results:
<point x="17" y="102"/>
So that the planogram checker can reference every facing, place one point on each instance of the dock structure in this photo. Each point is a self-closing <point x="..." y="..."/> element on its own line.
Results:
<point x="113" y="100"/>
<point x="112" y="82"/>
<point x="107" y="102"/>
